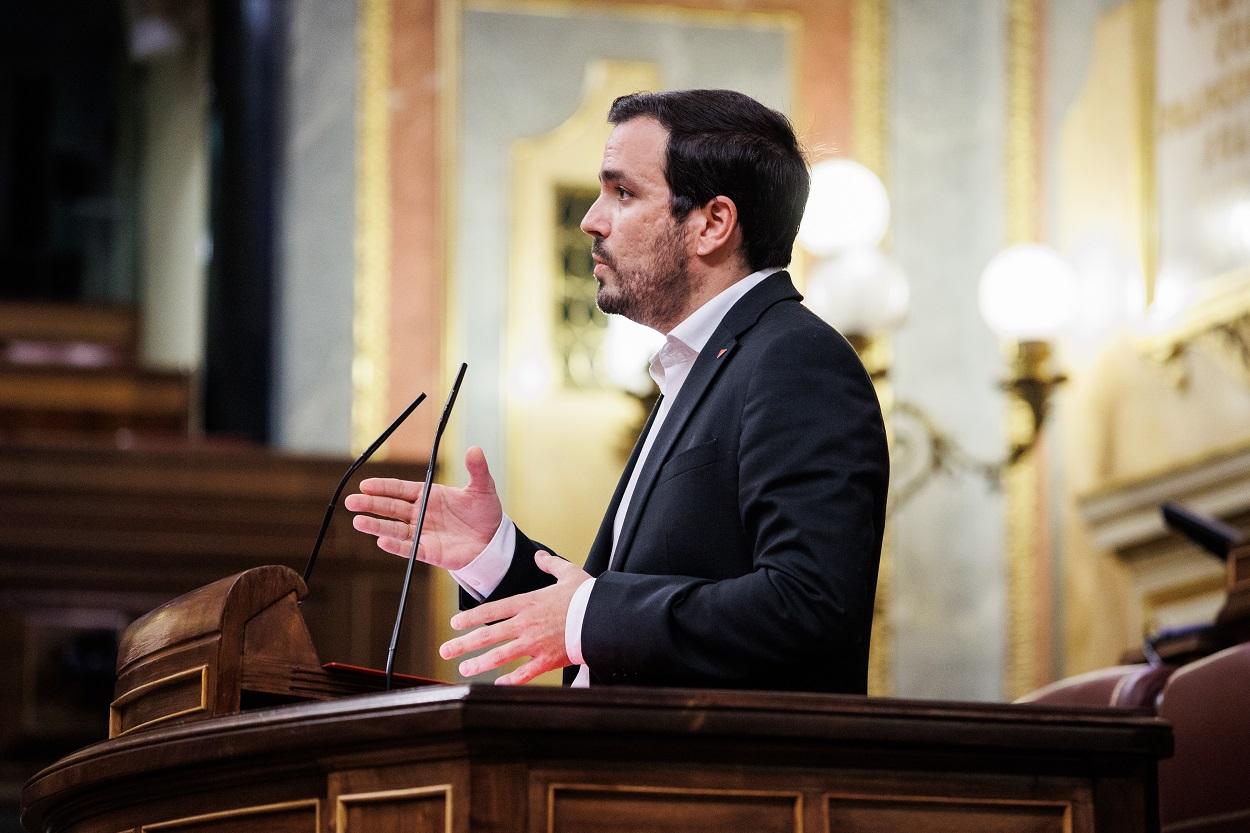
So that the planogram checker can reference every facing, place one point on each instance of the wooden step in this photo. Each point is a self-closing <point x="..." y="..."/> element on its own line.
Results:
<point x="41" y="399"/>
<point x="114" y="327"/>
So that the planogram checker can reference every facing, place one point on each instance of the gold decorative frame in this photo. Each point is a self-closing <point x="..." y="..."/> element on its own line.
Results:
<point x="564" y="419"/>
<point x="341" y="802"/>
<point x="978" y="801"/>
<point x="659" y="12"/>
<point x="138" y="691"/>
<point x="371" y="288"/>
<point x="1220" y="318"/>
<point x="1219" y="321"/>
<point x="640" y="789"/>
<point x="1145" y="25"/>
<point x="449" y="25"/>
<point x="444" y="592"/>
<point x="1025" y="38"/>
<point x="870" y="51"/>
<point x="765" y="13"/>
<point x="256" y="810"/>
<point x="1026" y="666"/>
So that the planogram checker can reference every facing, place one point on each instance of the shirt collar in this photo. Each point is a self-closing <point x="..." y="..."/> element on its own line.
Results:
<point x="698" y="327"/>
<point x="684" y="343"/>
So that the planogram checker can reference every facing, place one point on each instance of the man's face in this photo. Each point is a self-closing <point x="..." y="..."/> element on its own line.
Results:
<point x="640" y="248"/>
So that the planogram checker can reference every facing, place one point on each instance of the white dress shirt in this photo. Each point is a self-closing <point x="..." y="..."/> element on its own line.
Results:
<point x="669" y="368"/>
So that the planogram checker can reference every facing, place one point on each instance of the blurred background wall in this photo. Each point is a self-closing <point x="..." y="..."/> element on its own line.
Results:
<point x="236" y="238"/>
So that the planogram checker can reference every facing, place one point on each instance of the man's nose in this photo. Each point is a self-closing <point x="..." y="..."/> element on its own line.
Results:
<point x="595" y="222"/>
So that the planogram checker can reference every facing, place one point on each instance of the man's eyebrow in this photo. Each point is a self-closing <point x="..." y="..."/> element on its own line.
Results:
<point x="611" y="175"/>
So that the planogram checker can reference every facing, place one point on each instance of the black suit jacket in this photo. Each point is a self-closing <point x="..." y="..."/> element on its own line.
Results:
<point x="748" y="558"/>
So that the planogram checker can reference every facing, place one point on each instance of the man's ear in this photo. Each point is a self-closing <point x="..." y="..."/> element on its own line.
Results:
<point x="717" y="234"/>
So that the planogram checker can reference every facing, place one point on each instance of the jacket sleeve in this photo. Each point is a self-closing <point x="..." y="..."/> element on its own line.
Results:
<point x="523" y="574"/>
<point x="812" y="474"/>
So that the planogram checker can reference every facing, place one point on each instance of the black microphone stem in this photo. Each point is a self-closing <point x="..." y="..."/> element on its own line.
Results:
<point x="416" y="534"/>
<point x="360" y="461"/>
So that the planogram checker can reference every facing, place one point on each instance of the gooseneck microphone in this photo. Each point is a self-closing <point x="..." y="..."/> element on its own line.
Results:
<point x="1212" y="534"/>
<point x="416" y="533"/>
<point x="360" y="461"/>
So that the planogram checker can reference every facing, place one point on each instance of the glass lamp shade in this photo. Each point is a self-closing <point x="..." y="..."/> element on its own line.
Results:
<point x="860" y="292"/>
<point x="848" y="208"/>
<point x="1028" y="293"/>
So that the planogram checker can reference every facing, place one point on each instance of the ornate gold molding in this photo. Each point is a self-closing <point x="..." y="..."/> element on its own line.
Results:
<point x="650" y="12"/>
<point x="443" y="791"/>
<point x="891" y="801"/>
<point x="1026" y="666"/>
<point x="443" y="590"/>
<point x="545" y="417"/>
<point x="870" y="42"/>
<point x="260" y="809"/>
<point x="683" y="792"/>
<point x="1218" y="322"/>
<point x="370" y="330"/>
<point x="1145" y="24"/>
<point x="870" y="51"/>
<point x="1185" y="467"/>
<point x="1024" y="599"/>
<point x="199" y="673"/>
<point x="1023" y="42"/>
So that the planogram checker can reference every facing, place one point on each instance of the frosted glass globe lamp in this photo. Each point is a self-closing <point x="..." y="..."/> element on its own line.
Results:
<point x="1028" y="297"/>
<point x="847" y="208"/>
<point x="1028" y="293"/>
<point x="859" y="292"/>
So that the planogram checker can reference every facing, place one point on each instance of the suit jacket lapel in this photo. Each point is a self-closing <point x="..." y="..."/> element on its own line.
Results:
<point x="714" y="356"/>
<point x="601" y="549"/>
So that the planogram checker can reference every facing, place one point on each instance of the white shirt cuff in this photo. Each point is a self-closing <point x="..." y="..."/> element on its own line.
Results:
<point x="573" y="622"/>
<point x="482" y="575"/>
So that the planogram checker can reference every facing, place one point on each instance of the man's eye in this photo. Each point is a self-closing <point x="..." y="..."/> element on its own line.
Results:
<point x="621" y="193"/>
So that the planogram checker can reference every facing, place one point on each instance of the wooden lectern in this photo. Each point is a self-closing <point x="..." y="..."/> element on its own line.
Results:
<point x="189" y="756"/>
<point x="236" y="644"/>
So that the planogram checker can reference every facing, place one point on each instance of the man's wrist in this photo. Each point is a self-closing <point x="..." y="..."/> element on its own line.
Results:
<point x="483" y="574"/>
<point x="573" y="622"/>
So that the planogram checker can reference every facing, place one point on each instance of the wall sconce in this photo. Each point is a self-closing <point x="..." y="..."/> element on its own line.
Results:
<point x="857" y="288"/>
<point x="1027" y="297"/>
<point x="863" y="293"/>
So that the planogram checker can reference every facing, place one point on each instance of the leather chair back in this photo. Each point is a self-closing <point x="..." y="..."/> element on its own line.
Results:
<point x="1119" y="686"/>
<point x="1204" y="784"/>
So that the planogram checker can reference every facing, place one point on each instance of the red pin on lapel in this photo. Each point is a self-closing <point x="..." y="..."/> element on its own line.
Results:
<point x="722" y="352"/>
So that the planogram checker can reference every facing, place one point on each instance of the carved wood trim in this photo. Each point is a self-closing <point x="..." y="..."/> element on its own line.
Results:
<point x="116" y="715"/>
<point x="883" y="799"/>
<point x="693" y="792"/>
<point x="380" y="796"/>
<point x="255" y="810"/>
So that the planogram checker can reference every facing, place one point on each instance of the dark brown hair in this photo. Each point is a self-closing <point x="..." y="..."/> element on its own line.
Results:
<point x="722" y="142"/>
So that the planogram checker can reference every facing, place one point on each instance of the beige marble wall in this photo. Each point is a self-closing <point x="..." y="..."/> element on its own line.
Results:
<point x="947" y="123"/>
<point x="1124" y="418"/>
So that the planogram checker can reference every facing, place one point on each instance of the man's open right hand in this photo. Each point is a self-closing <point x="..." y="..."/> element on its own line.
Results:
<point x="459" y="523"/>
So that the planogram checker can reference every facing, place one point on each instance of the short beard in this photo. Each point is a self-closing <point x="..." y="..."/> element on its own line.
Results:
<point x="654" y="293"/>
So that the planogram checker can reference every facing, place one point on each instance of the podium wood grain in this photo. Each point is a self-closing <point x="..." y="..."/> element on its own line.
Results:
<point x="611" y="760"/>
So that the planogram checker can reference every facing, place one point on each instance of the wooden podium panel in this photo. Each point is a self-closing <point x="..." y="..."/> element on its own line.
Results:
<point x="451" y="759"/>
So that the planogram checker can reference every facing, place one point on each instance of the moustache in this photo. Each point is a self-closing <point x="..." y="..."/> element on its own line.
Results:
<point x="600" y="250"/>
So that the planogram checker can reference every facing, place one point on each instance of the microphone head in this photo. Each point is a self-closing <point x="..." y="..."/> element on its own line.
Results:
<point x="1213" y="535"/>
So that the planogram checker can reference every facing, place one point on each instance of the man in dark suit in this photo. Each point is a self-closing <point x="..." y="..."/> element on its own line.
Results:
<point x="741" y="546"/>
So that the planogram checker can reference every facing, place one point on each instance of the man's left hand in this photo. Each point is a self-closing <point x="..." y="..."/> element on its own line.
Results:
<point x="525" y="625"/>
